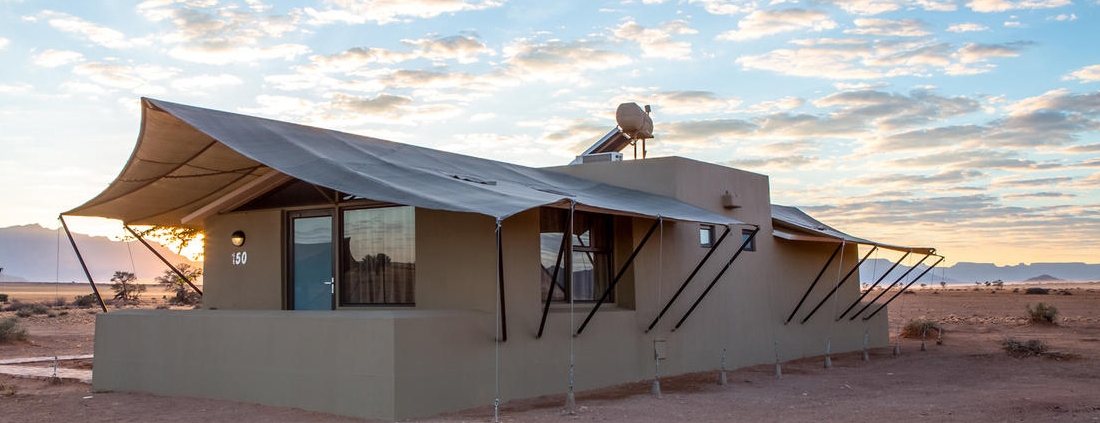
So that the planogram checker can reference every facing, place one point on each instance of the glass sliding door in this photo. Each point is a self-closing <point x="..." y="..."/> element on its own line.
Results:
<point x="311" y="262"/>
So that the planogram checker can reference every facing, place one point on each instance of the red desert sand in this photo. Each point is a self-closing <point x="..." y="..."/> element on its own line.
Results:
<point x="968" y="378"/>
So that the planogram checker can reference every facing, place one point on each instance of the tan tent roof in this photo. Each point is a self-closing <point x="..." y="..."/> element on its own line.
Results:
<point x="795" y="225"/>
<point x="190" y="162"/>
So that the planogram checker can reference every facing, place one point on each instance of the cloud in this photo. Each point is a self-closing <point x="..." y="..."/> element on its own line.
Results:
<point x="1086" y="74"/>
<point x="967" y="27"/>
<point x="894" y="111"/>
<point x="658" y="42"/>
<point x="706" y="131"/>
<point x="95" y="33"/>
<point x="4" y="43"/>
<point x="974" y="52"/>
<point x="856" y="59"/>
<point x="772" y="106"/>
<point x="924" y="138"/>
<point x="940" y="178"/>
<point x="51" y="58"/>
<point x="390" y="11"/>
<point x="971" y="158"/>
<point x="888" y="28"/>
<point x="1062" y="100"/>
<point x="726" y="7"/>
<point x="775" y="163"/>
<point x="212" y="34"/>
<point x="141" y="79"/>
<point x="84" y="88"/>
<point x="202" y="83"/>
<point x="1043" y="195"/>
<point x="691" y="102"/>
<point x="556" y="60"/>
<point x="988" y="6"/>
<point x="463" y="49"/>
<point x="15" y="88"/>
<point x="875" y="7"/>
<point x="1087" y="148"/>
<point x="1064" y="17"/>
<point x="762" y="23"/>
<point x="1040" y="182"/>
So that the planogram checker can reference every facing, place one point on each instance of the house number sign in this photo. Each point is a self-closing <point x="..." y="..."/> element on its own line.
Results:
<point x="240" y="258"/>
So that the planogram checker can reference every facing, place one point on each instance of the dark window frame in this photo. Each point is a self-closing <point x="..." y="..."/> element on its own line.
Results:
<point x="341" y="279"/>
<point x="710" y="231"/>
<point x="745" y="234"/>
<point x="599" y="249"/>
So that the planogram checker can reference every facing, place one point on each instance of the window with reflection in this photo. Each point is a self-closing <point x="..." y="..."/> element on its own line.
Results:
<point x="378" y="256"/>
<point x="592" y="256"/>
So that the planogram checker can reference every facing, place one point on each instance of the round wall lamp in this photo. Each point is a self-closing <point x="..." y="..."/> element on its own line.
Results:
<point x="237" y="238"/>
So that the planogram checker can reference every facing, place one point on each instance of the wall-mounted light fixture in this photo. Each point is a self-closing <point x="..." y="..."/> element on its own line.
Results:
<point x="729" y="202"/>
<point x="237" y="238"/>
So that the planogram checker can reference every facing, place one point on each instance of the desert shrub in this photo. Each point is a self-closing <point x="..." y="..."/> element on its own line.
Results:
<point x="11" y="331"/>
<point x="1066" y="292"/>
<point x="8" y="390"/>
<point x="1015" y="289"/>
<point x="63" y="313"/>
<point x="24" y="312"/>
<point x="1042" y="313"/>
<point x="915" y="327"/>
<point x="1037" y="291"/>
<point x="1020" y="349"/>
<point x="39" y="308"/>
<point x="51" y="314"/>
<point x="59" y="302"/>
<point x="14" y="306"/>
<point x="126" y="287"/>
<point x="85" y="301"/>
<point x="162" y="307"/>
<point x="182" y="292"/>
<point x="3" y="298"/>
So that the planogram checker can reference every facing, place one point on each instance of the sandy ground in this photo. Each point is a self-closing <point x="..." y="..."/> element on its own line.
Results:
<point x="968" y="378"/>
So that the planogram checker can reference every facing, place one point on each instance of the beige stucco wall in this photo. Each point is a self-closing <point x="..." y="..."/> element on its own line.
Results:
<point x="440" y="354"/>
<point x="334" y="362"/>
<point x="256" y="284"/>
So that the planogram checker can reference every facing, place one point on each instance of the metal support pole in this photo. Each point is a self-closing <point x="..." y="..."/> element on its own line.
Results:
<point x="835" y="288"/>
<point x="744" y="244"/>
<point x="812" y="285"/>
<point x="903" y="289"/>
<point x="570" y="397"/>
<point x="80" y="258"/>
<point x="713" y="248"/>
<point x="553" y="282"/>
<point x="162" y="259"/>
<point x="891" y="269"/>
<point x="619" y="275"/>
<point x="500" y="284"/>
<point x="884" y="291"/>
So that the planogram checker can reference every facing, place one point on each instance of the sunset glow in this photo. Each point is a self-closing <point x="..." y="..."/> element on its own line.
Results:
<point x="970" y="126"/>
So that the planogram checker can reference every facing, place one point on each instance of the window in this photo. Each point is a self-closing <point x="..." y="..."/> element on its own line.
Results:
<point x="745" y="234"/>
<point x="592" y="256"/>
<point x="378" y="256"/>
<point x="706" y="236"/>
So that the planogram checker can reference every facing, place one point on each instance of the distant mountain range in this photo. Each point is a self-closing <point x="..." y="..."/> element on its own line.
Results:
<point x="968" y="273"/>
<point x="32" y="253"/>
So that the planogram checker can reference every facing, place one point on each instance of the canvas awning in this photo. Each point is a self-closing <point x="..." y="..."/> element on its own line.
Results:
<point x="189" y="159"/>
<point x="792" y="224"/>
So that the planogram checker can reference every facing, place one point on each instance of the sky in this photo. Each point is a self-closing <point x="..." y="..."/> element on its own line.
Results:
<point x="972" y="126"/>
